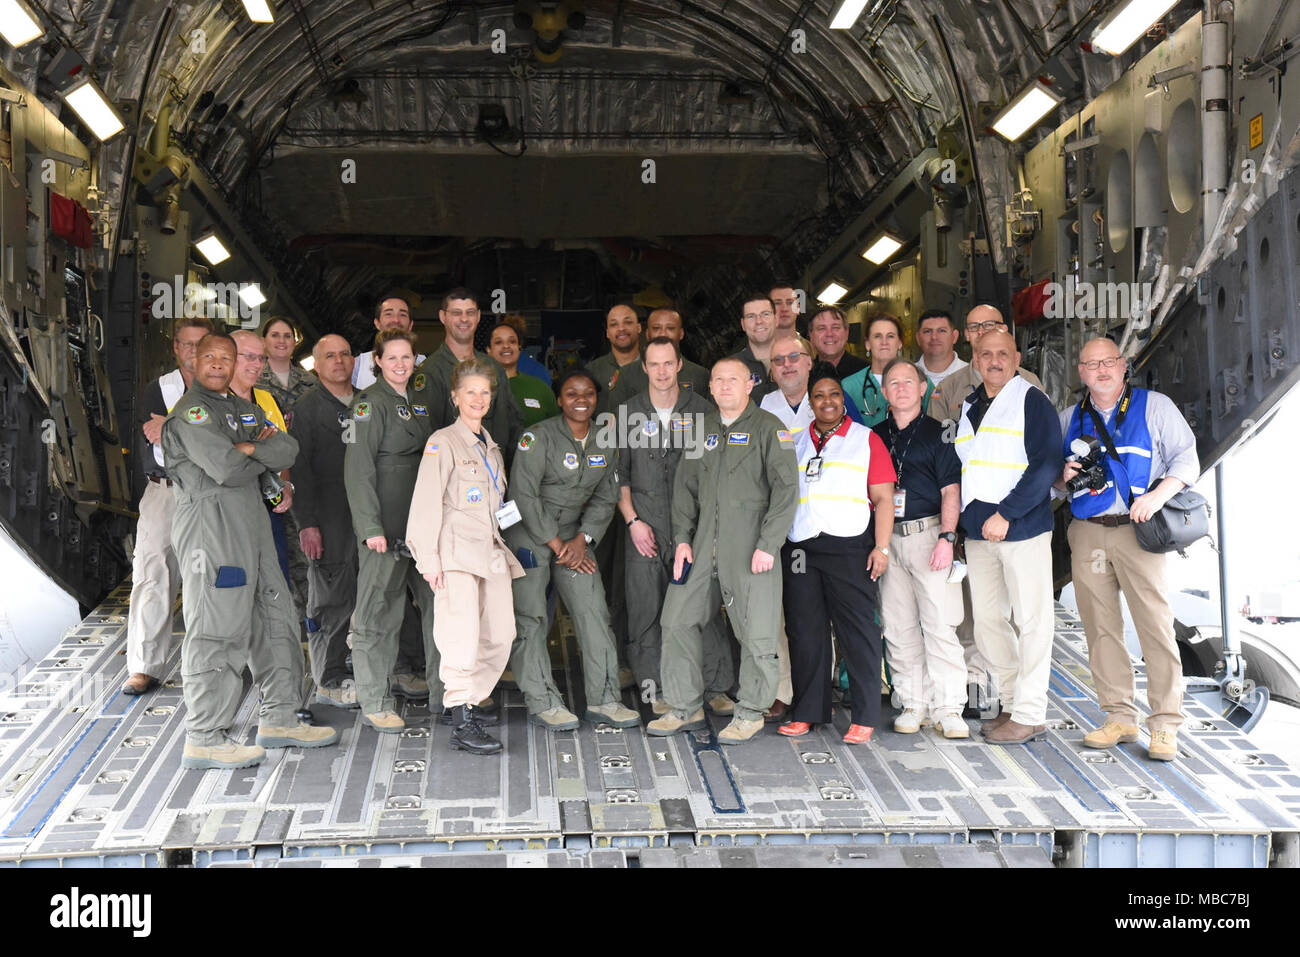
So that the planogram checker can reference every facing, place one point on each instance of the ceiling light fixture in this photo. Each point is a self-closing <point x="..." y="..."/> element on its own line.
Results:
<point x="1122" y="28"/>
<point x="251" y="295"/>
<point x="847" y="14"/>
<point x="213" y="249"/>
<point x="259" y="11"/>
<point x="884" y="247"/>
<point x="18" y="25"/>
<point x="1025" y="110"/>
<point x="832" y="294"/>
<point x="89" y="103"/>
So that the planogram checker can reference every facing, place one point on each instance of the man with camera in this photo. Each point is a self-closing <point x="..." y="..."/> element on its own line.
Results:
<point x="1130" y="451"/>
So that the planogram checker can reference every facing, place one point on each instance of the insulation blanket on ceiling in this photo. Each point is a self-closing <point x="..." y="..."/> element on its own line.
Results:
<point x="70" y="220"/>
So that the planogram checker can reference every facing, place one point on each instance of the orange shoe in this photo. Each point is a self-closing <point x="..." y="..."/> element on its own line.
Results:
<point x="795" y="729"/>
<point x="857" y="734"/>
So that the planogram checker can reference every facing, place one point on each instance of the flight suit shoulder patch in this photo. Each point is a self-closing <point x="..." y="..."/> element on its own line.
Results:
<point x="418" y="382"/>
<point x="526" y="441"/>
<point x="361" y="412"/>
<point x="197" y="415"/>
<point x="784" y="435"/>
<point x="431" y="448"/>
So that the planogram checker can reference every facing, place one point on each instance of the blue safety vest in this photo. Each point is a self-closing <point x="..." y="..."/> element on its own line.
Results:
<point x="1131" y="475"/>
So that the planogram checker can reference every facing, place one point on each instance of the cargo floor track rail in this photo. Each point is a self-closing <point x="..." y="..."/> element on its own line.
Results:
<point x="92" y="777"/>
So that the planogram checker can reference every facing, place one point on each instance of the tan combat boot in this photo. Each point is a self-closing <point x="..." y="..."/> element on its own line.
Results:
<point x="228" y="754"/>
<point x="1164" y="745"/>
<point x="721" y="704"/>
<point x="299" y="736"/>
<point x="411" y="686"/>
<point x="674" y="723"/>
<point x="613" y="713"/>
<point x="555" y="719"/>
<point x="385" y="722"/>
<point x="1110" y="734"/>
<point x="740" y="730"/>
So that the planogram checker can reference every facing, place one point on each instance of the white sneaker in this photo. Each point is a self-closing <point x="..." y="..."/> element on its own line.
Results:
<point x="953" y="726"/>
<point x="909" y="722"/>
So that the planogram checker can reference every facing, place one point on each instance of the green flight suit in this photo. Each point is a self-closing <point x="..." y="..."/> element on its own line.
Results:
<point x="431" y="386"/>
<point x="561" y="488"/>
<point x="608" y="373"/>
<point x="300" y="383"/>
<point x="535" y="398"/>
<point x="237" y="606"/>
<point x="738" y="496"/>
<point x="632" y="381"/>
<point x="758" y="374"/>
<point x="647" y="464"/>
<point x="861" y="387"/>
<point x="379" y="470"/>
<point x="320" y="501"/>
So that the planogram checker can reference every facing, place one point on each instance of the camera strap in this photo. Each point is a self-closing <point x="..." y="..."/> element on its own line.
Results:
<point x="1103" y="433"/>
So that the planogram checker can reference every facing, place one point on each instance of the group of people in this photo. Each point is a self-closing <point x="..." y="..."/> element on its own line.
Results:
<point x="791" y="505"/>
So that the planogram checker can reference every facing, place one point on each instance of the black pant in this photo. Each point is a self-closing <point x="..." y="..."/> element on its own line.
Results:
<point x="826" y="582"/>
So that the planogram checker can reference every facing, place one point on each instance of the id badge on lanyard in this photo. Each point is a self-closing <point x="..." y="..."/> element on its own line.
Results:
<point x="813" y="471"/>
<point x="900" y="502"/>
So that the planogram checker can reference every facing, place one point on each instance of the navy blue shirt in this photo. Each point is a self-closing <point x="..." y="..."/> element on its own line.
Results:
<point x="925" y="463"/>
<point x="1028" y="506"/>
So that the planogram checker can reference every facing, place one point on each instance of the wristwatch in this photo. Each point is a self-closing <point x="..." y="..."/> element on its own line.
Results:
<point x="633" y="520"/>
<point x="588" y="538"/>
<point x="949" y="537"/>
<point x="883" y="550"/>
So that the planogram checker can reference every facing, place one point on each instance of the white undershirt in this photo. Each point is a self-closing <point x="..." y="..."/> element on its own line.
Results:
<point x="937" y="377"/>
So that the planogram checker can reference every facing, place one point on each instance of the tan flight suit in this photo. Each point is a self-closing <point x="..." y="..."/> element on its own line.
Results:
<point x="452" y="529"/>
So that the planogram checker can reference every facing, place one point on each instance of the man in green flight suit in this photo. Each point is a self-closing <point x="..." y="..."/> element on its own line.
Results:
<point x="661" y="422"/>
<point x="565" y="487"/>
<point x="632" y="378"/>
<point x="237" y="605"/>
<point x="431" y="384"/>
<point x="732" y="509"/>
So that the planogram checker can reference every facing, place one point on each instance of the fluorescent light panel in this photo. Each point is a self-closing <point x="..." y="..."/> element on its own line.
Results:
<point x="832" y="294"/>
<point x="259" y="11"/>
<point x="1122" y="28"/>
<point x="251" y="295"/>
<point x="308" y="363"/>
<point x="213" y="249"/>
<point x="89" y="103"/>
<point x="17" y="23"/>
<point x="1023" y="112"/>
<point x="848" y="14"/>
<point x="880" y="251"/>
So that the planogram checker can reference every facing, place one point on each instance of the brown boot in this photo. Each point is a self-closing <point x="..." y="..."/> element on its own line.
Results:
<point x="1013" y="732"/>
<point x="139" y="683"/>
<point x="994" y="723"/>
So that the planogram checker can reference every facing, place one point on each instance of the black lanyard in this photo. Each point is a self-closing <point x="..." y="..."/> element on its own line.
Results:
<point x="818" y="446"/>
<point x="898" y="460"/>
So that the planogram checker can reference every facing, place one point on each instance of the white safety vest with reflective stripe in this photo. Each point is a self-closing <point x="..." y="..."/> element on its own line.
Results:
<point x="993" y="459"/>
<point x="173" y="387"/>
<point x="836" y="503"/>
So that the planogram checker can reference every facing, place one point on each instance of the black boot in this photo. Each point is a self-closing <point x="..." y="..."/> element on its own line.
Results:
<point x="448" y="717"/>
<point x="467" y="732"/>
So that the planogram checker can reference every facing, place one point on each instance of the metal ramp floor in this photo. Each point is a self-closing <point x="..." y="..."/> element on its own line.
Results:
<point x="91" y="777"/>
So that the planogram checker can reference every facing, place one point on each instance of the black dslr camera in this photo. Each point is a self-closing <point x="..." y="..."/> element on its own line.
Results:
<point x="1088" y="455"/>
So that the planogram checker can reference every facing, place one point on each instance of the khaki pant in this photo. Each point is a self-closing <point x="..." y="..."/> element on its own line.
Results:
<point x="1006" y="576"/>
<point x="1105" y="561"/>
<point x="925" y="657"/>
<point x="474" y="629"/>
<point x="155" y="580"/>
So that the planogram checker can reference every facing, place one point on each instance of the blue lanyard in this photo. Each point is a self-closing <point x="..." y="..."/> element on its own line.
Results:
<point x="483" y="455"/>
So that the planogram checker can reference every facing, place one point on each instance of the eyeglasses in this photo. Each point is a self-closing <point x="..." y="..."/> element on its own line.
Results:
<point x="250" y="357"/>
<point x="988" y="326"/>
<point x="791" y="359"/>
<point x="1092" y="365"/>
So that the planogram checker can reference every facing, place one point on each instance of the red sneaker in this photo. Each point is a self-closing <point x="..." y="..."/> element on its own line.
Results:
<point x="795" y="729"/>
<point x="857" y="734"/>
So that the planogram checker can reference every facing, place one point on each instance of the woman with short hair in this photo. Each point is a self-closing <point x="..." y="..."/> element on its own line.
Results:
<point x="454" y="536"/>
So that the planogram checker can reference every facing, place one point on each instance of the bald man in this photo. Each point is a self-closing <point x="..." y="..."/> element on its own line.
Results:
<point x="1151" y="456"/>
<point x="952" y="390"/>
<point x="325" y="520"/>
<point x="1009" y="443"/>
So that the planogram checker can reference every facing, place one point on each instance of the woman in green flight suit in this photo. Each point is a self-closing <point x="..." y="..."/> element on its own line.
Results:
<point x="379" y="471"/>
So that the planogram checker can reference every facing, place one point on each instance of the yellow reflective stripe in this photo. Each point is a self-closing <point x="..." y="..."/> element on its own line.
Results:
<point x="963" y="438"/>
<point x="834" y="498"/>
<point x="1001" y="431"/>
<point x="987" y="463"/>
<point x="851" y="466"/>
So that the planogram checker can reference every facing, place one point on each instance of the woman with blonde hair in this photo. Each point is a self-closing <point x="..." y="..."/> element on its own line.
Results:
<point x="454" y="535"/>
